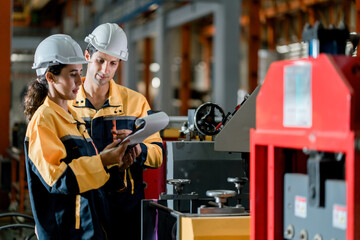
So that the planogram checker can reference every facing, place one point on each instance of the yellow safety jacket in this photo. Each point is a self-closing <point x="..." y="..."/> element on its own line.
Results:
<point x="64" y="173"/>
<point x="120" y="112"/>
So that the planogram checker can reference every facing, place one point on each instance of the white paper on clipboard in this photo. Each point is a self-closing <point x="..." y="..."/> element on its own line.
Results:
<point x="147" y="126"/>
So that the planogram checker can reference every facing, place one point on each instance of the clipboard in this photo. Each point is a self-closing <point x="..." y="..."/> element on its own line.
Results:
<point x="145" y="127"/>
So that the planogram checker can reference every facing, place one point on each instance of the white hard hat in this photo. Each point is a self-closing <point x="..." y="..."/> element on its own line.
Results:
<point x="109" y="38"/>
<point x="57" y="49"/>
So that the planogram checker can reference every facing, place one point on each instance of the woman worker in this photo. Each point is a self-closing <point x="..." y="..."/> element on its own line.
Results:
<point x="64" y="169"/>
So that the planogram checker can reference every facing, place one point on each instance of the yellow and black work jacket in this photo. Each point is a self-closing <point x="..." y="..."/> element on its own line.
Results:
<point x="120" y="112"/>
<point x="64" y="175"/>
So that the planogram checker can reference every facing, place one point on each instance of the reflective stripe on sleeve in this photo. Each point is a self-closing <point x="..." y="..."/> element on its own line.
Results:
<point x="77" y="211"/>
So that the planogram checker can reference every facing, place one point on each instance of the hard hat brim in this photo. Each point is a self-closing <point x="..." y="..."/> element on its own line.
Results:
<point x="48" y="64"/>
<point x="122" y="56"/>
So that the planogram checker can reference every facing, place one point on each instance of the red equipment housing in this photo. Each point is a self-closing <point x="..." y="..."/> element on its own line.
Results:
<point x="332" y="125"/>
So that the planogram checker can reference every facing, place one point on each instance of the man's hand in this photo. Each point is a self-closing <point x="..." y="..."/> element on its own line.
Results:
<point x="137" y="150"/>
<point x="123" y="133"/>
<point x="120" y="134"/>
<point x="128" y="159"/>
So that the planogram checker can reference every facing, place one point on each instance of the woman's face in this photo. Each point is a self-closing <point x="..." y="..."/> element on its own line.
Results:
<point x="66" y="85"/>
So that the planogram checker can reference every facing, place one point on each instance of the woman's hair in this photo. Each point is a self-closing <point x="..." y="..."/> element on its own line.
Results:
<point x="37" y="91"/>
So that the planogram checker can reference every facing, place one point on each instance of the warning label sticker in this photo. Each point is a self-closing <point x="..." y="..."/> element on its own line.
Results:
<point x="339" y="216"/>
<point x="300" y="207"/>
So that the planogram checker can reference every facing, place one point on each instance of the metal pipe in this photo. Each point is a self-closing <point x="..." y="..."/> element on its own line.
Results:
<point x="17" y="226"/>
<point x="13" y="214"/>
<point x="166" y="209"/>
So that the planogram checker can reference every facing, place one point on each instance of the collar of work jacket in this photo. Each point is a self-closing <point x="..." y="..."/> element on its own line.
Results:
<point x="114" y="95"/>
<point x="73" y="118"/>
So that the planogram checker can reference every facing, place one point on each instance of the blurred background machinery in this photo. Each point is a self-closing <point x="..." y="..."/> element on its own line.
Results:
<point x="205" y="186"/>
<point x="197" y="60"/>
<point x="206" y="50"/>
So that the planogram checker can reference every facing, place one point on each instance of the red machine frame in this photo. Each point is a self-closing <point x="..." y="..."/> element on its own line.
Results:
<point x="155" y="179"/>
<point x="335" y="91"/>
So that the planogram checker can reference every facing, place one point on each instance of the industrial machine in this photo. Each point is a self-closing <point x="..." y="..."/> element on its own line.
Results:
<point x="218" y="222"/>
<point x="305" y="147"/>
<point x="203" y="187"/>
<point x="204" y="121"/>
<point x="207" y="195"/>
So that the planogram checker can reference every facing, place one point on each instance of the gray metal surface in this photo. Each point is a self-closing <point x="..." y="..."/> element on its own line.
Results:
<point x="215" y="210"/>
<point x="206" y="168"/>
<point x="325" y="221"/>
<point x="235" y="136"/>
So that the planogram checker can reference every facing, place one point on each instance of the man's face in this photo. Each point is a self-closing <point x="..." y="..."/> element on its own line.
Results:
<point x="102" y="67"/>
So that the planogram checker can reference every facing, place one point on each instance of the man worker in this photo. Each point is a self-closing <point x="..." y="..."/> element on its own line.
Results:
<point x="109" y="111"/>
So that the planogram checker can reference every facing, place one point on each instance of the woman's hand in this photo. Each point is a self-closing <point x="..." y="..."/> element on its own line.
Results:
<point x="114" y="155"/>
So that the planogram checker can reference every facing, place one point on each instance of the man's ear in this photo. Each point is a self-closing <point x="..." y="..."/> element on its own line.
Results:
<point x="50" y="77"/>
<point x="87" y="55"/>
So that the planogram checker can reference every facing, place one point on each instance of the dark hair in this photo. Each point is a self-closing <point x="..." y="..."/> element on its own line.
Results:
<point x="91" y="49"/>
<point x="37" y="91"/>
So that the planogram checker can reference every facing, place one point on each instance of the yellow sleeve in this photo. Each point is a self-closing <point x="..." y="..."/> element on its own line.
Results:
<point x="47" y="153"/>
<point x="152" y="147"/>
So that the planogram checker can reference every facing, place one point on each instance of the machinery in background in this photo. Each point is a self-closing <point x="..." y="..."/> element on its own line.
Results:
<point x="209" y="119"/>
<point x="203" y="121"/>
<point x="235" y="132"/>
<point x="305" y="148"/>
<point x="207" y="194"/>
<point x="215" y="222"/>
<point x="205" y="168"/>
<point x="204" y="187"/>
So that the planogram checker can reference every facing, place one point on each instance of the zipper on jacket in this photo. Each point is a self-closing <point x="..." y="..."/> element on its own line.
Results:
<point x="91" y="123"/>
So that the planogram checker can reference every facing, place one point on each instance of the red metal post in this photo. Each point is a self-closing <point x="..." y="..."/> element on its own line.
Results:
<point x="5" y="48"/>
<point x="147" y="74"/>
